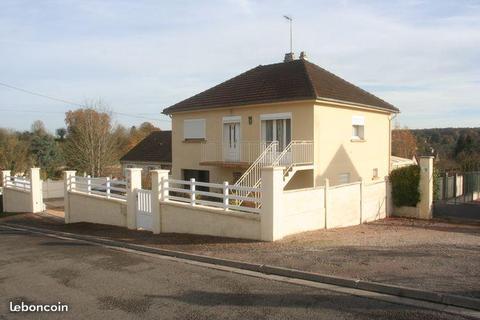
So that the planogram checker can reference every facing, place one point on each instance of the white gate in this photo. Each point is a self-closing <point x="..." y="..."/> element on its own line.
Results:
<point x="144" y="209"/>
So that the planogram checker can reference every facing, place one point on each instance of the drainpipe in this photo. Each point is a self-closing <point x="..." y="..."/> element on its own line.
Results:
<point x="390" y="118"/>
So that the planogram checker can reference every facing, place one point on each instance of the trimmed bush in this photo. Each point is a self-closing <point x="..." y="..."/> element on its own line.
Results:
<point x="405" y="182"/>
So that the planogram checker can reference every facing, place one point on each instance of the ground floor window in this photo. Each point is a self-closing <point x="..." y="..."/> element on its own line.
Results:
<point x="198" y="175"/>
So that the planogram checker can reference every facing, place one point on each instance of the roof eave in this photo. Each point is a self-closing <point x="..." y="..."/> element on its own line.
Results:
<point x="395" y="110"/>
<point x="238" y="105"/>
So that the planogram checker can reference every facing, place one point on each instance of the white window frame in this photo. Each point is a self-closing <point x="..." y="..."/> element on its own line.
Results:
<point x="358" y="128"/>
<point x="276" y="116"/>
<point x="197" y="132"/>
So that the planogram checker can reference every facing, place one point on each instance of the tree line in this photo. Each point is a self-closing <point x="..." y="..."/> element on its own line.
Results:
<point x="90" y="143"/>
<point x="453" y="148"/>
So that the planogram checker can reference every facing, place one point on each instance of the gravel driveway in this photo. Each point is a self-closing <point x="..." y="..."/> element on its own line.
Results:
<point x="433" y="256"/>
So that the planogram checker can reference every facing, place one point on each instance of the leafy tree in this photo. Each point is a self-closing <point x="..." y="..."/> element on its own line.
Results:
<point x="46" y="153"/>
<point x="14" y="153"/>
<point x="61" y="133"/>
<point x="138" y="134"/>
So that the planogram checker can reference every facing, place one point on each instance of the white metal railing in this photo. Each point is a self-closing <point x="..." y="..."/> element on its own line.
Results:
<point x="243" y="151"/>
<point x="102" y="186"/>
<point x="217" y="195"/>
<point x="296" y="153"/>
<point x="19" y="183"/>
<point x="253" y="174"/>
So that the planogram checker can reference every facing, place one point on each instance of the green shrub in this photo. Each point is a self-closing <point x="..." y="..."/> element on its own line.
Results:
<point x="405" y="182"/>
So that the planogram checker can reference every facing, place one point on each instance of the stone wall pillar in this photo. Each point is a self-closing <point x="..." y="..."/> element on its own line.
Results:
<point x="5" y="175"/>
<point x="36" y="191"/>
<point x="426" y="188"/>
<point x="68" y="185"/>
<point x="272" y="203"/>
<point x="159" y="191"/>
<point x="134" y="181"/>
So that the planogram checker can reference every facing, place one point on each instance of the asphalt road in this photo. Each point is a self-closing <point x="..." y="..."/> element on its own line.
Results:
<point x="101" y="283"/>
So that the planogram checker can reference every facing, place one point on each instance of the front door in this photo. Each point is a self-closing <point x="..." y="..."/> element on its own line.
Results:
<point x="231" y="141"/>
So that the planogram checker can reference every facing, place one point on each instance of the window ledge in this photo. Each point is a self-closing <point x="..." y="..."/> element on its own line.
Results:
<point x="357" y="140"/>
<point x="194" y="140"/>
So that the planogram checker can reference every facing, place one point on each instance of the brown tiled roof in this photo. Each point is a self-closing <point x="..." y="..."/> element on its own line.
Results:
<point x="285" y="81"/>
<point x="156" y="147"/>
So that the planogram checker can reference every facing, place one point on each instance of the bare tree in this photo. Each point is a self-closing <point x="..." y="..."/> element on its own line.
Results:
<point x="90" y="145"/>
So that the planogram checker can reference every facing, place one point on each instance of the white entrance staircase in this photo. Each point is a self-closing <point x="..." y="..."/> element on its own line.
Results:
<point x="297" y="155"/>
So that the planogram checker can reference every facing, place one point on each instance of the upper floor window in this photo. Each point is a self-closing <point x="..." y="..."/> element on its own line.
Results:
<point x="358" y="128"/>
<point x="194" y="129"/>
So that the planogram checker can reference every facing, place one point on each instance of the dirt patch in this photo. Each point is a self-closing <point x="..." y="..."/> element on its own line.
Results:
<point x="429" y="255"/>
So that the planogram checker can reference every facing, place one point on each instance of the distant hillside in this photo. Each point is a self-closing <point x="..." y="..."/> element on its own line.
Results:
<point x="444" y="140"/>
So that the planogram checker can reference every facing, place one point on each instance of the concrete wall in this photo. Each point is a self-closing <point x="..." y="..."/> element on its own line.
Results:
<point x="343" y="206"/>
<point x="16" y="200"/>
<point x="96" y="209"/>
<point x="374" y="201"/>
<point x="304" y="210"/>
<point x="183" y="218"/>
<point x="53" y="189"/>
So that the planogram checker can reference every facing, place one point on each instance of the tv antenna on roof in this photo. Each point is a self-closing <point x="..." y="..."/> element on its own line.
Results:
<point x="289" y="18"/>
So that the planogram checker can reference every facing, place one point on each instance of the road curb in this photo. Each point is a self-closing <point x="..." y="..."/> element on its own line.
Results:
<point x="405" y="292"/>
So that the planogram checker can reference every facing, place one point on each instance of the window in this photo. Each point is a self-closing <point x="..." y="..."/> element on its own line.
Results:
<point x="344" y="178"/>
<point x="198" y="175"/>
<point x="194" y="129"/>
<point x="375" y="173"/>
<point x="358" y="128"/>
<point x="276" y="127"/>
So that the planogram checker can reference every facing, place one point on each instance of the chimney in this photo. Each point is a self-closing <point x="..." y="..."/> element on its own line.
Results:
<point x="289" y="57"/>
<point x="303" y="56"/>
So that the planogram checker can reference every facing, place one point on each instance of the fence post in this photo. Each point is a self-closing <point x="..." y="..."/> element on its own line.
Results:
<point x="272" y="204"/>
<point x="362" y="189"/>
<point x="192" y="191"/>
<point x="426" y="187"/>
<point x="225" y="195"/>
<point x="36" y="191"/>
<point x="326" y="200"/>
<point x="159" y="193"/>
<point x="5" y="176"/>
<point x="89" y="184"/>
<point x="134" y="181"/>
<point x="68" y="185"/>
<point x="107" y="186"/>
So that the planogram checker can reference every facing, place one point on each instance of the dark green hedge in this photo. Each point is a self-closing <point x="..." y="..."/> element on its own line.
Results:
<point x="405" y="182"/>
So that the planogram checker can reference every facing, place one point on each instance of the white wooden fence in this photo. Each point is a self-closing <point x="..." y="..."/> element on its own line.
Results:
<point x="18" y="183"/>
<point x="223" y="196"/>
<point x="101" y="186"/>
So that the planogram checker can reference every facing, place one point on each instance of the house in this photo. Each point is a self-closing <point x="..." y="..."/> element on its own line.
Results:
<point x="293" y="114"/>
<point x="153" y="152"/>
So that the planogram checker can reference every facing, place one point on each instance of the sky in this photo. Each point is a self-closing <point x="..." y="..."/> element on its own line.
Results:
<point x="140" y="57"/>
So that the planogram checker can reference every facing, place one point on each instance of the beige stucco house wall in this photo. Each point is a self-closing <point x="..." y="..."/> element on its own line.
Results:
<point x="337" y="153"/>
<point x="187" y="154"/>
<point x="327" y="124"/>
